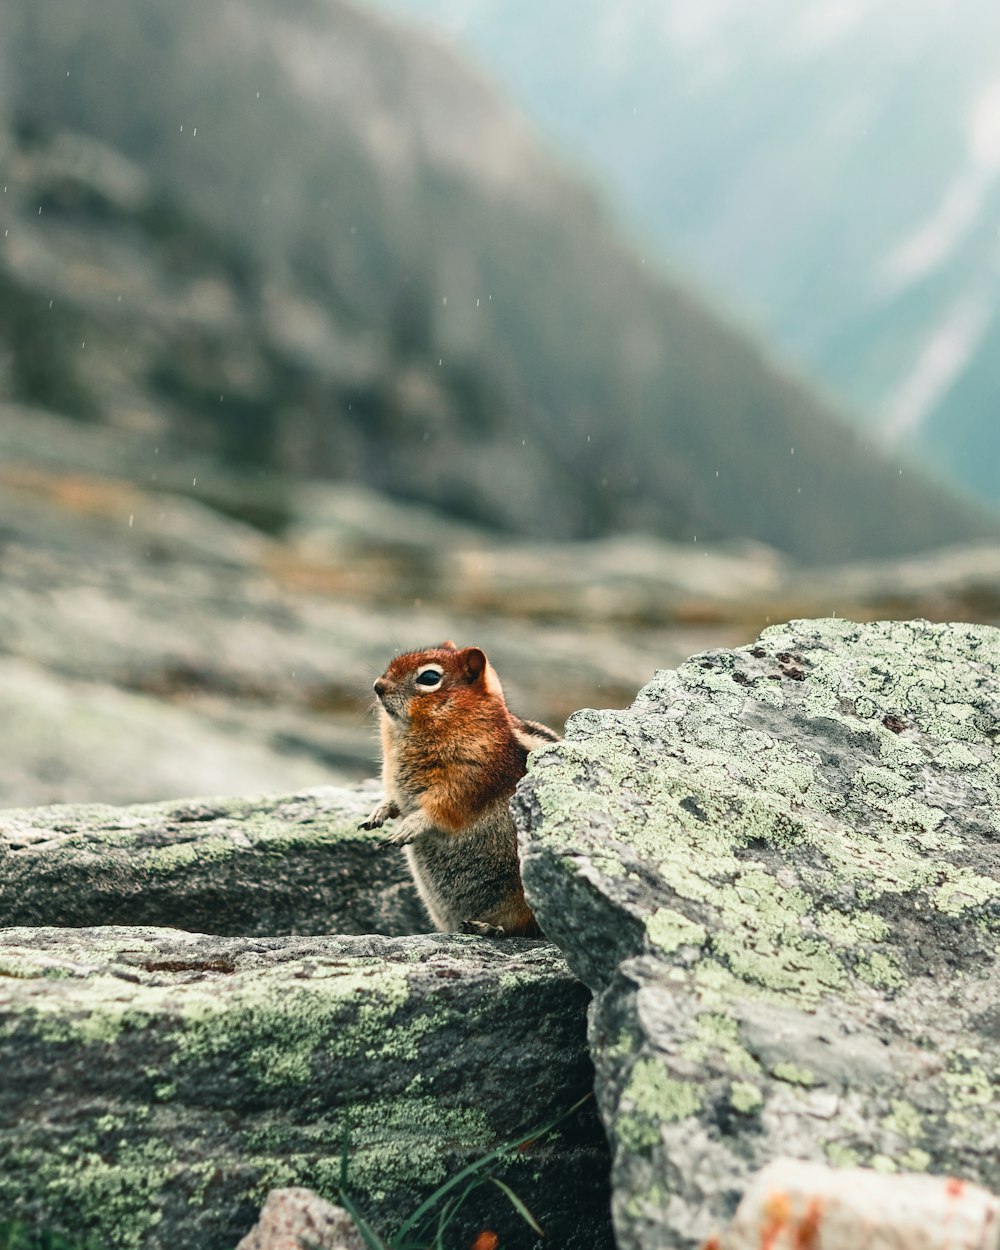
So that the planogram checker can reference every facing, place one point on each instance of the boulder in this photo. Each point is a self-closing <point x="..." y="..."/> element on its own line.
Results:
<point x="779" y="870"/>
<point x="288" y="864"/>
<point x="167" y="1081"/>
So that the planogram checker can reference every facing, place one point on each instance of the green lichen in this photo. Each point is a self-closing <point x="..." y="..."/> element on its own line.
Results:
<point x="280" y="1029"/>
<point x="915" y="1160"/>
<point x="652" y="1098"/>
<point x="718" y="1037"/>
<point x="180" y="855"/>
<point x="794" y="1074"/>
<point x="111" y="1187"/>
<point x="395" y="1142"/>
<point x="881" y="970"/>
<point x="971" y="1087"/>
<point x="904" y="1120"/>
<point x="842" y="1155"/>
<point x="745" y="1097"/>
<point x="965" y="889"/>
<point x="851" y="929"/>
<point x="619" y="1049"/>
<point x="668" y="930"/>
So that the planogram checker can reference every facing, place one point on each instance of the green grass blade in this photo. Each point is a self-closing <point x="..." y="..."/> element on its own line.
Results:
<point x="344" y="1155"/>
<point x="518" y="1206"/>
<point x="450" y="1210"/>
<point x="428" y="1204"/>
<point x="368" y="1235"/>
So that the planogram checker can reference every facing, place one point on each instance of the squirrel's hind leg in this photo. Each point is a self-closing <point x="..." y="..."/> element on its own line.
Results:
<point x="481" y="929"/>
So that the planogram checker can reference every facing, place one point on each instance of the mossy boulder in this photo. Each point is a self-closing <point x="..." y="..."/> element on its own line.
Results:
<point x="780" y="872"/>
<point x="160" y="1083"/>
<point x="289" y="864"/>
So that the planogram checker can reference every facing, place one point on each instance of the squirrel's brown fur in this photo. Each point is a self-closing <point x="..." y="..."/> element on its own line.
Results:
<point x="452" y="753"/>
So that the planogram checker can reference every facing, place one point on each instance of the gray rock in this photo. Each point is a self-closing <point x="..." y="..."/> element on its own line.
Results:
<point x="290" y="864"/>
<point x="293" y="1218"/>
<point x="66" y="738"/>
<point x="166" y="1081"/>
<point x="780" y="870"/>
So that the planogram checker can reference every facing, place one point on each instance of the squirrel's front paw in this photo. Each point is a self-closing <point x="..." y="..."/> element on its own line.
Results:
<point x="398" y="837"/>
<point x="481" y="929"/>
<point x="408" y="829"/>
<point x="379" y="815"/>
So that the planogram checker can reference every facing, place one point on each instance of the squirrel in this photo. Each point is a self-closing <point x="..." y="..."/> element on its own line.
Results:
<point x="452" y="753"/>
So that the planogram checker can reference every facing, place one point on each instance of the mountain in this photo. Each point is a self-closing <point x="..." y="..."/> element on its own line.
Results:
<point x="299" y="239"/>
<point x="831" y="169"/>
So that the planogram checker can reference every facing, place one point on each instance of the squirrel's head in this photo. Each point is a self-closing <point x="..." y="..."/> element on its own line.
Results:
<point x="440" y="682"/>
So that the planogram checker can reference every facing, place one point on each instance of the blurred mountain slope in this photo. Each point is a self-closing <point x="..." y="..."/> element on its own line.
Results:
<point x="831" y="166"/>
<point x="293" y="236"/>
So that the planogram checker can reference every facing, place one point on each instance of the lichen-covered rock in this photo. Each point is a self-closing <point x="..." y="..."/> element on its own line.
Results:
<point x="157" y="1084"/>
<point x="781" y="871"/>
<point x="294" y="1218"/>
<point x="290" y="864"/>
<point x="810" y="1206"/>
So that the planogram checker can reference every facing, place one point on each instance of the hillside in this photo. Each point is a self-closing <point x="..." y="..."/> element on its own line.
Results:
<point x="831" y="169"/>
<point x="312" y="242"/>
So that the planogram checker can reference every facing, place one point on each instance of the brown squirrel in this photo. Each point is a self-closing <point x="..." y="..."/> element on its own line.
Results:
<point x="452" y="753"/>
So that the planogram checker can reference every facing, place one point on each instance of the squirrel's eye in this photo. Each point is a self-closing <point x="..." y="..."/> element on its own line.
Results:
<point x="429" y="677"/>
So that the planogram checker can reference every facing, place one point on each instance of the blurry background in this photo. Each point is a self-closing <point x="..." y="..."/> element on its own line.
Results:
<point x="592" y="333"/>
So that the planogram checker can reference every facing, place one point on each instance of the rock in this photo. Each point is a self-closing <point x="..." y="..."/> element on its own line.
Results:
<point x="292" y="1218"/>
<point x="780" y="872"/>
<point x="808" y="1206"/>
<point x="291" y="864"/>
<point x="166" y="1081"/>
<point x="65" y="737"/>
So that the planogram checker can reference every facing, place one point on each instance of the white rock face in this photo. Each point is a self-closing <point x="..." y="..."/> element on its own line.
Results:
<point x="791" y="1205"/>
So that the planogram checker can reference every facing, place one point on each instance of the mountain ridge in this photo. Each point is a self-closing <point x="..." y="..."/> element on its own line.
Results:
<point x="831" y="170"/>
<point x="318" y="296"/>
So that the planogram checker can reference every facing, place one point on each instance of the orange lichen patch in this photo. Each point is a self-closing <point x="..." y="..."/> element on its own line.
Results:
<point x="75" y="492"/>
<point x="486" y="1240"/>
<point x="807" y="1233"/>
<point x="777" y="1213"/>
<point x="954" y="1188"/>
<point x="713" y="1243"/>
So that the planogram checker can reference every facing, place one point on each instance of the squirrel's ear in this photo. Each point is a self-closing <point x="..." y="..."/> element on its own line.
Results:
<point x="447" y="645"/>
<point x="475" y="664"/>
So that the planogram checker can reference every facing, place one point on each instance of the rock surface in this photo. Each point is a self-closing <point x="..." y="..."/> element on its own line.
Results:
<point x="809" y="1206"/>
<point x="167" y="1081"/>
<point x="293" y="1218"/>
<point x="780" y="870"/>
<point x="290" y="864"/>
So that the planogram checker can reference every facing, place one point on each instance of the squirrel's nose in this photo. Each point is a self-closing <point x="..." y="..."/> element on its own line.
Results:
<point x="380" y="687"/>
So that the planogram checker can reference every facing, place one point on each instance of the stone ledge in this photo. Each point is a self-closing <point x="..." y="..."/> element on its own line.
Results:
<point x="279" y="864"/>
<point x="167" y="1081"/>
